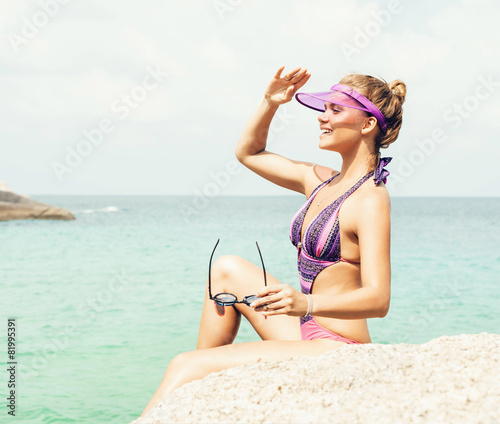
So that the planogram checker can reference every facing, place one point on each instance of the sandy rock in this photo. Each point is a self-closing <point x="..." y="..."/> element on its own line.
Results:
<point x="15" y="206"/>
<point x="451" y="379"/>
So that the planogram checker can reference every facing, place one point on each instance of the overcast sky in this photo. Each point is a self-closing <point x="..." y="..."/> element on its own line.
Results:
<point x="150" y="97"/>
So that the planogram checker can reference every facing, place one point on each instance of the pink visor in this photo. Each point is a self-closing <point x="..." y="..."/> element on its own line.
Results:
<point x="344" y="96"/>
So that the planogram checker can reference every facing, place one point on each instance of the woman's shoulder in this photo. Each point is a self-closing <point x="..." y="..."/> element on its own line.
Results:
<point x="367" y="207"/>
<point x="324" y="173"/>
<point x="370" y="200"/>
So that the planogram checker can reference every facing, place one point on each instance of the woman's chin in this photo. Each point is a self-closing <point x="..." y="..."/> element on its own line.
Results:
<point x="325" y="143"/>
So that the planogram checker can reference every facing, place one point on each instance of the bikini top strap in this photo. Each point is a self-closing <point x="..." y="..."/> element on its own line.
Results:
<point x="298" y="219"/>
<point x="380" y="173"/>
<point x="330" y="223"/>
<point x="320" y="186"/>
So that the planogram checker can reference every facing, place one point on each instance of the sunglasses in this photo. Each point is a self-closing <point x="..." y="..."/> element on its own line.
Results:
<point x="228" y="299"/>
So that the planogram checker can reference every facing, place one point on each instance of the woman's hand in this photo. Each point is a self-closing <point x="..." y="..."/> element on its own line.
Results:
<point x="282" y="88"/>
<point x="280" y="299"/>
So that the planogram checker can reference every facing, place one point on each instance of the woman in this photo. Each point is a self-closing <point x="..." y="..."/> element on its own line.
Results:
<point x="344" y="251"/>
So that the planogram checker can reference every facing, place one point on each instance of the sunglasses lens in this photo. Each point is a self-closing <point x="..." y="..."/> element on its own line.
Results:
<point x="225" y="299"/>
<point x="249" y="299"/>
<point x="219" y="309"/>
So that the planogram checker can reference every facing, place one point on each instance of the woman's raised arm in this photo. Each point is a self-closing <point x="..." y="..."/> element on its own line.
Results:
<point x="251" y="148"/>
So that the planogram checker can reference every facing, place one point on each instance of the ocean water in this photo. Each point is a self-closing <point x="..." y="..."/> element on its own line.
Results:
<point x="104" y="302"/>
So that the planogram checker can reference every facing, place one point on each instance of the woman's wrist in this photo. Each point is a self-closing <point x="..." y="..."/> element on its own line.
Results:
<point x="269" y="104"/>
<point x="309" y="306"/>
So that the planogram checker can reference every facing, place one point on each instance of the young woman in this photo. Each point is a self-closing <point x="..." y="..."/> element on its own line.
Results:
<point x="342" y="235"/>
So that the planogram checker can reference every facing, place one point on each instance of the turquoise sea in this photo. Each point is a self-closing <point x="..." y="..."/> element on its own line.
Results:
<point x="104" y="302"/>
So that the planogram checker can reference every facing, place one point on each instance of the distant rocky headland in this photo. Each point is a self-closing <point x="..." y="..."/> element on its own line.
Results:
<point x="15" y="206"/>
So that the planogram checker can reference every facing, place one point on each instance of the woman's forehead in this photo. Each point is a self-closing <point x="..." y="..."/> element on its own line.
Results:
<point x="339" y="98"/>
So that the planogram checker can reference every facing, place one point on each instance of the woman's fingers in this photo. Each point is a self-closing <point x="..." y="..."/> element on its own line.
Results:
<point x="296" y="77"/>
<point x="271" y="289"/>
<point x="261" y="303"/>
<point x="279" y="71"/>
<point x="271" y="304"/>
<point x="280" y="299"/>
<point x="283" y="85"/>
<point x="288" y="94"/>
<point x="304" y="78"/>
<point x="291" y="74"/>
<point x="298" y="81"/>
<point x="280" y="311"/>
<point x="267" y="295"/>
<point x="275" y="308"/>
<point x="274" y="297"/>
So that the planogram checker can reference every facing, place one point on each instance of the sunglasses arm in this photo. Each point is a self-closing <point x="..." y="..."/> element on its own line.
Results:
<point x="210" y="271"/>
<point x="263" y="266"/>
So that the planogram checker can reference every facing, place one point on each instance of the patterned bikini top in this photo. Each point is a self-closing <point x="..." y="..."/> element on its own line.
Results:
<point x="321" y="239"/>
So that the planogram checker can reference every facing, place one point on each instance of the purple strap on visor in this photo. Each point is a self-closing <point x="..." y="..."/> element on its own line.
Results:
<point x="342" y="95"/>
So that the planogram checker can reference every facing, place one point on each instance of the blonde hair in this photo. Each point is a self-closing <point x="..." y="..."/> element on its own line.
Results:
<point x="388" y="97"/>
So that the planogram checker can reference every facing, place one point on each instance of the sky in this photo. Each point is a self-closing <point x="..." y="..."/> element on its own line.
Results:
<point x="120" y="97"/>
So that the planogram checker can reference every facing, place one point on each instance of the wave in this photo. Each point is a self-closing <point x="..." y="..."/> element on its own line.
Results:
<point x="107" y="209"/>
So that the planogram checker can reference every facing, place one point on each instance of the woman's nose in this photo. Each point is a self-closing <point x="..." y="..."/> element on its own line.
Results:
<point x="323" y="117"/>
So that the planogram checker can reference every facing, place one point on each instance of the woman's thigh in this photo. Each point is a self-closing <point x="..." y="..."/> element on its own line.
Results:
<point x="199" y="363"/>
<point x="236" y="275"/>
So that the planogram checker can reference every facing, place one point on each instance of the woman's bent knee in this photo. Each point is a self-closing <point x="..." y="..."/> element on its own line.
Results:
<point x="181" y="360"/>
<point x="190" y="365"/>
<point x="226" y="267"/>
<point x="181" y="365"/>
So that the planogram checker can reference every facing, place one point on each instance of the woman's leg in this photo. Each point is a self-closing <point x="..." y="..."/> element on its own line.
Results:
<point x="236" y="275"/>
<point x="197" y="364"/>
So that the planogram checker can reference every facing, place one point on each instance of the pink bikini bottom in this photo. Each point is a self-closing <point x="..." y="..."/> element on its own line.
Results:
<point x="311" y="330"/>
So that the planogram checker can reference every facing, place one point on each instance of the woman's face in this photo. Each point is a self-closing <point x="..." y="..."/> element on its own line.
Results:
<point x="340" y="127"/>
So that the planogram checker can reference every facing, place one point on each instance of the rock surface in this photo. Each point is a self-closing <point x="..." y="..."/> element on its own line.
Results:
<point x="451" y="379"/>
<point x="15" y="206"/>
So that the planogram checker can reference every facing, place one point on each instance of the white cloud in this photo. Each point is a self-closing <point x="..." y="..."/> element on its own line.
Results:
<point x="471" y="27"/>
<point x="410" y="53"/>
<point x="151" y="53"/>
<point x="92" y="53"/>
<point x="327" y="23"/>
<point x="61" y="96"/>
<point x="218" y="55"/>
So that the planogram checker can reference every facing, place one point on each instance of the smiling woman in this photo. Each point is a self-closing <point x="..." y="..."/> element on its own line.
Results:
<point x="342" y="236"/>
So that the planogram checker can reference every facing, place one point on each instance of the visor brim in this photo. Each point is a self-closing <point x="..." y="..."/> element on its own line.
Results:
<point x="317" y="101"/>
<point x="341" y="95"/>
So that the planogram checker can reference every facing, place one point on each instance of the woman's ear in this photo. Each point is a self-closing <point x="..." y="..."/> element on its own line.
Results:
<point x="370" y="125"/>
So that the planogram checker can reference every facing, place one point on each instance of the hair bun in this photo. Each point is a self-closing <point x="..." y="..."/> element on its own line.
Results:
<point x="398" y="87"/>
